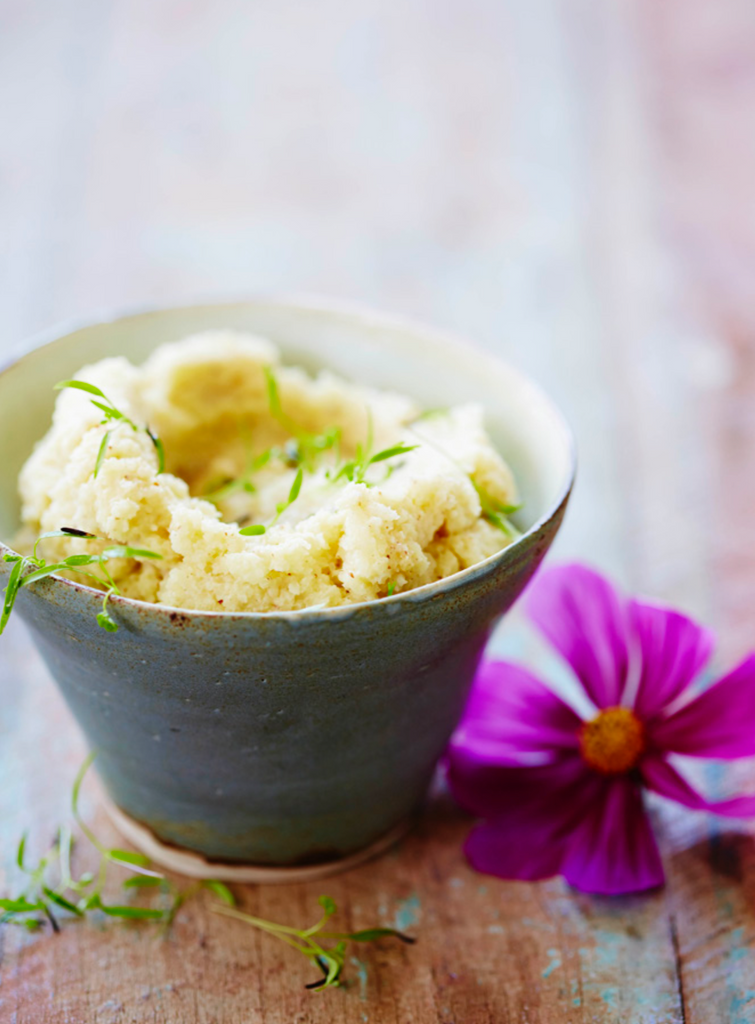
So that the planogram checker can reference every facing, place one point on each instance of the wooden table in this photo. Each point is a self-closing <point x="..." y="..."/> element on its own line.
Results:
<point x="572" y="184"/>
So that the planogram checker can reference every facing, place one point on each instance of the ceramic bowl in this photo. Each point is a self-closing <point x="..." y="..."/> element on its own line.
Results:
<point x="284" y="738"/>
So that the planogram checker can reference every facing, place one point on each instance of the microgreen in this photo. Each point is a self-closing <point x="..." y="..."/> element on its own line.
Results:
<point x="496" y="512"/>
<point x="257" y="528"/>
<point x="109" y="410"/>
<point x="325" y="949"/>
<point x="159" y="448"/>
<point x="305" y="447"/>
<point x="141" y="882"/>
<point x="51" y="884"/>
<point x="221" y="489"/>
<point x="293" y="494"/>
<point x="390" y="453"/>
<point x="111" y="414"/>
<point x="356" y="469"/>
<point x="102" y="452"/>
<point x="20" y="851"/>
<point x="391" y="588"/>
<point x="104" y="618"/>
<point x="64" y="531"/>
<point x="20" y="576"/>
<point x="222" y="891"/>
<point x="273" y="400"/>
<point x="19" y="906"/>
<point x="11" y="590"/>
<point x="126" y="551"/>
<point x="429" y="414"/>
<point x="301" y="451"/>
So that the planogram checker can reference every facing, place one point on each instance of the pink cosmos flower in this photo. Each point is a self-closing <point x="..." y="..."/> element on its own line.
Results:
<point x="562" y="793"/>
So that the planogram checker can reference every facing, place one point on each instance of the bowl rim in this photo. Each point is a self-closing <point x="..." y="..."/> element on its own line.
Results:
<point x="451" y="343"/>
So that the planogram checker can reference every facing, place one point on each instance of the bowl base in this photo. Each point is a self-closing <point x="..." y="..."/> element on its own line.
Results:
<point x="194" y="865"/>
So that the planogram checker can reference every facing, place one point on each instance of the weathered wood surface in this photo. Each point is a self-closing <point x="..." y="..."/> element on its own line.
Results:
<point x="569" y="181"/>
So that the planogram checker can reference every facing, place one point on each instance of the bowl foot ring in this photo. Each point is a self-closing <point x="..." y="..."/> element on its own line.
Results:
<point x="194" y="865"/>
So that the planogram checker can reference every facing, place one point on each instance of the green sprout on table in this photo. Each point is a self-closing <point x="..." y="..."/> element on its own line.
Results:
<point x="113" y="415"/>
<point x="52" y="887"/>
<point x="74" y="563"/>
<point x="329" y="955"/>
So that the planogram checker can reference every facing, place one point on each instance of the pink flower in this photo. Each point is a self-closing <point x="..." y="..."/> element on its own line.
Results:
<point x="561" y="793"/>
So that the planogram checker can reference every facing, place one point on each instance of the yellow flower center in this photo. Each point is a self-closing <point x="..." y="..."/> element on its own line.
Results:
<point x="613" y="741"/>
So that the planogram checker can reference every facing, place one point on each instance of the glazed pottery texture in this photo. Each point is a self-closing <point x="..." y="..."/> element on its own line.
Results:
<point x="295" y="737"/>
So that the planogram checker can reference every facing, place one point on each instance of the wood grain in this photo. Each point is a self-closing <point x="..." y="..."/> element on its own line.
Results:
<point x="567" y="181"/>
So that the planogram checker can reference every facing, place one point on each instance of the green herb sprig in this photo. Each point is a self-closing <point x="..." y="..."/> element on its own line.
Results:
<point x="111" y="414"/>
<point x="225" y="487"/>
<point x="40" y="569"/>
<point x="329" y="955"/>
<point x="51" y="887"/>
<point x="304" y="447"/>
<point x="257" y="528"/>
<point x="432" y="413"/>
<point x="355" y="470"/>
<point x="302" y="450"/>
<point x="496" y="512"/>
<point x="254" y="530"/>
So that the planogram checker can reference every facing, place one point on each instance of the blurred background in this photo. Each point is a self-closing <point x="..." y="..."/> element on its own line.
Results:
<point x="569" y="182"/>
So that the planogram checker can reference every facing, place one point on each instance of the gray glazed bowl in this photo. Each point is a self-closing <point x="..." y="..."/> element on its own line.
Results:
<point x="297" y="737"/>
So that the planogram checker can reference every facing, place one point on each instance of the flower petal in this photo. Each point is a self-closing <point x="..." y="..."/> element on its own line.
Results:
<point x="720" y="722"/>
<point x="584" y="618"/>
<point x="511" y="713"/>
<point x="614" y="850"/>
<point x="492" y="791"/>
<point x="527" y="851"/>
<point x="532" y="814"/>
<point x="663" y="778"/>
<point x="674" y="649"/>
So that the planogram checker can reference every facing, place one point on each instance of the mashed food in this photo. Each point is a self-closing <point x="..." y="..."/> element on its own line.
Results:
<point x="279" y="490"/>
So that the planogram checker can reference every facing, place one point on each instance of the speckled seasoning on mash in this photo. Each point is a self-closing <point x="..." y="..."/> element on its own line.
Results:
<point x="282" y="491"/>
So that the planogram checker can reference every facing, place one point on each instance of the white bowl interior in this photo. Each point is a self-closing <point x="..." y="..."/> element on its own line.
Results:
<point x="374" y="349"/>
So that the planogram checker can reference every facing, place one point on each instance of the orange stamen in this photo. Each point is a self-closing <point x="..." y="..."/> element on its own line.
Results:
<point x="613" y="741"/>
